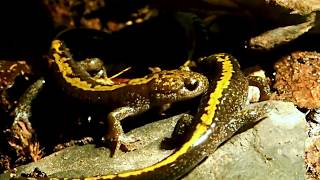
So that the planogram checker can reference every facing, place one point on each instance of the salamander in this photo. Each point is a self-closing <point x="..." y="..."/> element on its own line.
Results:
<point x="223" y="110"/>
<point x="134" y="97"/>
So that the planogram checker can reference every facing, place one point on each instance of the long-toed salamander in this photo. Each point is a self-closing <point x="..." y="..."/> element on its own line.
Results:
<point x="128" y="99"/>
<point x="222" y="112"/>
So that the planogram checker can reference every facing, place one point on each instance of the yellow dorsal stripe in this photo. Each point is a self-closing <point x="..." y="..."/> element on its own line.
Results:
<point x="201" y="128"/>
<point x="67" y="71"/>
<point x="223" y="83"/>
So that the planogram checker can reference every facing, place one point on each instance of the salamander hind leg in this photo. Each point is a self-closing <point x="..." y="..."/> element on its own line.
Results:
<point x="262" y="84"/>
<point x="94" y="66"/>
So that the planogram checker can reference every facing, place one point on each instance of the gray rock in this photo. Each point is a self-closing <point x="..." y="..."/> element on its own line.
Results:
<point x="272" y="149"/>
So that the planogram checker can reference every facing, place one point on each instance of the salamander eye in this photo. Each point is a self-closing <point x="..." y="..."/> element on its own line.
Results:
<point x="191" y="84"/>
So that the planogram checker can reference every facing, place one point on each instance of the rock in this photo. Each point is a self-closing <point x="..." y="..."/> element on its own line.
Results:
<point x="272" y="149"/>
<point x="312" y="158"/>
<point x="312" y="154"/>
<point x="297" y="79"/>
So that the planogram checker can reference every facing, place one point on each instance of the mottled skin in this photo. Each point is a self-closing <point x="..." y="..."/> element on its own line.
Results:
<point x="128" y="99"/>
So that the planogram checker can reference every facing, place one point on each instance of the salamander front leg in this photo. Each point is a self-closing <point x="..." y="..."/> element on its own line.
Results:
<point x="115" y="134"/>
<point x="180" y="132"/>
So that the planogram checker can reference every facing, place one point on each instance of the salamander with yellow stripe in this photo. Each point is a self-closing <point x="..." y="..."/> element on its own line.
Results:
<point x="129" y="98"/>
<point x="222" y="112"/>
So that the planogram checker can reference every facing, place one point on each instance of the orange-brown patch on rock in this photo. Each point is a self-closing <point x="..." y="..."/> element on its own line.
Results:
<point x="298" y="79"/>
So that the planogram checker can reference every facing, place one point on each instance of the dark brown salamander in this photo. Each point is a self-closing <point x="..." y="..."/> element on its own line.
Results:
<point x="128" y="99"/>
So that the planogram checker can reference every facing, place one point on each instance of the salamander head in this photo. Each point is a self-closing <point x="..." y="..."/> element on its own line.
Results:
<point x="177" y="85"/>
